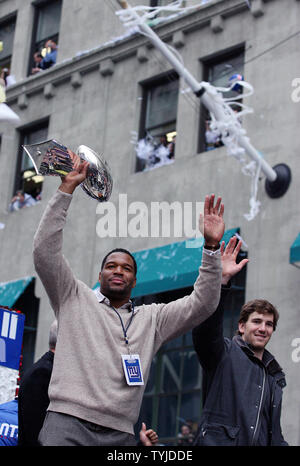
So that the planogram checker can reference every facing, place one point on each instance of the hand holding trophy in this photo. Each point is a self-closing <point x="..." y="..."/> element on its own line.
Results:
<point x="54" y="159"/>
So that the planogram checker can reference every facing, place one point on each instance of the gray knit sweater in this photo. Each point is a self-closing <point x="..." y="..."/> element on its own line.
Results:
<point x="88" y="379"/>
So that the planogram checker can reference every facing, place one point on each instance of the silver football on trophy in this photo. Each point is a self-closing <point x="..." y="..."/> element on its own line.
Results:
<point x="54" y="159"/>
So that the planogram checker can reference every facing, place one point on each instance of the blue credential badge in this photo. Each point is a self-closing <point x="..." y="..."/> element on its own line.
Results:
<point x="132" y="369"/>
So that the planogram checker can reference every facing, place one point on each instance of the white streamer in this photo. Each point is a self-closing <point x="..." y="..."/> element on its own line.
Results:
<point x="230" y="129"/>
<point x="147" y="13"/>
<point x="154" y="156"/>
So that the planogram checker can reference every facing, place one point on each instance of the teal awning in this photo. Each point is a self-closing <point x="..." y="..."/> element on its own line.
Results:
<point x="169" y="267"/>
<point x="11" y="291"/>
<point x="295" y="252"/>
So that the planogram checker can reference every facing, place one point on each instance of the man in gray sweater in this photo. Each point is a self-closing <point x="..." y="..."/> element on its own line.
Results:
<point x="105" y="346"/>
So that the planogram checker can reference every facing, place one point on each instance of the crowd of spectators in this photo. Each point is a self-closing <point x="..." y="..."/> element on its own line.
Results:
<point x="186" y="435"/>
<point x="21" y="200"/>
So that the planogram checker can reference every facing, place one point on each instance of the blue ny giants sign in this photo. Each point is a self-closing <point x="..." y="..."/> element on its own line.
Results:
<point x="11" y="337"/>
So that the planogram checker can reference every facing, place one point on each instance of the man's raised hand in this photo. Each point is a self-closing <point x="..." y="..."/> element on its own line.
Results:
<point x="76" y="176"/>
<point x="228" y="258"/>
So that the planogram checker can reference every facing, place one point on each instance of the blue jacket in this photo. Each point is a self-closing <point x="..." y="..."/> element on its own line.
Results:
<point x="241" y="394"/>
<point x="49" y="60"/>
<point x="9" y="423"/>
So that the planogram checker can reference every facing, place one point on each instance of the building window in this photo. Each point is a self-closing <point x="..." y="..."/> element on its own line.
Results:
<point x="46" y="28"/>
<point x="158" y="121"/>
<point x="155" y="3"/>
<point x="7" y="32"/>
<point x="220" y="71"/>
<point x="173" y="394"/>
<point x="26" y="178"/>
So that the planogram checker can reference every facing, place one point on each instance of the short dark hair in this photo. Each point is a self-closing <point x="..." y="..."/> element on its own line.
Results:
<point x="262" y="306"/>
<point x="124" y="251"/>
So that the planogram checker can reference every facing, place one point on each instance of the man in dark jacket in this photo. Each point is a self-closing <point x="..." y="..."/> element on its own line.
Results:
<point x="33" y="394"/>
<point x="242" y="381"/>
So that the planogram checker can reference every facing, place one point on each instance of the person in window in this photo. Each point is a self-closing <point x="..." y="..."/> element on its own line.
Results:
<point x="2" y="89"/>
<point x="96" y="391"/>
<point x="21" y="200"/>
<point x="4" y="75"/>
<point x="51" y="54"/>
<point x="163" y="141"/>
<point x="185" y="436"/>
<point x="242" y="381"/>
<point x="43" y="62"/>
<point x="8" y="79"/>
<point x="38" y="59"/>
<point x="162" y="152"/>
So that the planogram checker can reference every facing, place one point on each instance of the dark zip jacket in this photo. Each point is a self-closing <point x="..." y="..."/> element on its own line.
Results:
<point x="241" y="394"/>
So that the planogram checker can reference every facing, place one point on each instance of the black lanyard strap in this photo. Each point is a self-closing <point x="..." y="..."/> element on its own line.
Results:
<point x="122" y="323"/>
